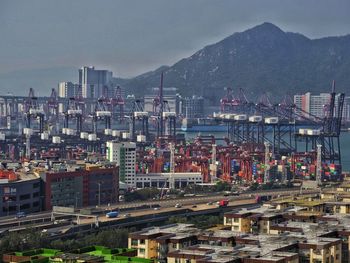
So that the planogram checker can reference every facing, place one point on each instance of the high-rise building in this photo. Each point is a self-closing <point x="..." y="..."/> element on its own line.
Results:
<point x="124" y="155"/>
<point x="68" y="90"/>
<point x="95" y="83"/>
<point x="192" y="107"/>
<point x="346" y="111"/>
<point x="315" y="105"/>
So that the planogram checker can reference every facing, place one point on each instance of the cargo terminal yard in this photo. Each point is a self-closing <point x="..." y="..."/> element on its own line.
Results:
<point x="77" y="152"/>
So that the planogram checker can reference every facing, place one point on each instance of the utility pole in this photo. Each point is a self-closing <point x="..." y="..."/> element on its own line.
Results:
<point x="28" y="146"/>
<point x="172" y="166"/>
<point x="267" y="163"/>
<point x="161" y="127"/>
<point x="76" y="199"/>
<point x="99" y="194"/>
<point x="213" y="167"/>
<point x="319" y="165"/>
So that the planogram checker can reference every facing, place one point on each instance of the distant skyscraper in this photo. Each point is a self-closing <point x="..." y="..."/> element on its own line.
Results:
<point x="95" y="83"/>
<point x="317" y="105"/>
<point x="68" y="90"/>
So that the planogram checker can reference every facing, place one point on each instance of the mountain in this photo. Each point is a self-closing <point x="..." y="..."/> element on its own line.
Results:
<point x="261" y="59"/>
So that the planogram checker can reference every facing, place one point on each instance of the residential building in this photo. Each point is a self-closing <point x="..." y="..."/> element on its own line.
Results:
<point x="185" y="243"/>
<point x="346" y="111"/>
<point x="68" y="90"/>
<point x="95" y="83"/>
<point x="310" y="105"/>
<point x="20" y="192"/>
<point x="80" y="186"/>
<point x="123" y="154"/>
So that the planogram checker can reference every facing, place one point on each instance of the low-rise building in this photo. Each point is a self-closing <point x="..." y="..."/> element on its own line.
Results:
<point x="307" y="228"/>
<point x="20" y="192"/>
<point x="160" y="180"/>
<point x="79" y="186"/>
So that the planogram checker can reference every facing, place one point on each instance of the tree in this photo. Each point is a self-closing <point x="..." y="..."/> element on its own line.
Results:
<point x="222" y="186"/>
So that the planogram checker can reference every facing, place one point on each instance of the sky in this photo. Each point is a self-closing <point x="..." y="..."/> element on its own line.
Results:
<point x="134" y="36"/>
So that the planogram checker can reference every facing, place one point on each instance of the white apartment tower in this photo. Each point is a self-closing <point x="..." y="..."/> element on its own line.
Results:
<point x="124" y="155"/>
<point x="68" y="90"/>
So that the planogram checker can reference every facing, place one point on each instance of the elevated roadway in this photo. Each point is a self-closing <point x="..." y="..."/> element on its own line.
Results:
<point x="139" y="208"/>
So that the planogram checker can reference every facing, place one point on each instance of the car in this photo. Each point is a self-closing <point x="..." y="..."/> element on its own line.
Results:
<point x="126" y="215"/>
<point x="178" y="205"/>
<point x="20" y="215"/>
<point x="210" y="203"/>
<point x="156" y="208"/>
<point x="194" y="206"/>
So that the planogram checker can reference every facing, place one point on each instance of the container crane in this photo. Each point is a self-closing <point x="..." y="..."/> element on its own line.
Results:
<point x="73" y="112"/>
<point x="138" y="114"/>
<point x="33" y="111"/>
<point x="118" y="102"/>
<point x="101" y="112"/>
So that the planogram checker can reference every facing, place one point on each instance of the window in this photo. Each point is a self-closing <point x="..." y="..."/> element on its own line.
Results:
<point x="134" y="242"/>
<point x="36" y="194"/>
<point x="25" y="206"/>
<point x="36" y="185"/>
<point x="141" y="251"/>
<point x="174" y="245"/>
<point x="142" y="241"/>
<point x="24" y="197"/>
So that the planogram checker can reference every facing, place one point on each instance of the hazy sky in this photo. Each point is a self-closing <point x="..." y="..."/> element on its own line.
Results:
<point x="131" y="37"/>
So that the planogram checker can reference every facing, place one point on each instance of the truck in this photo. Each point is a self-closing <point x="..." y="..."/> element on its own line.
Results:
<point x="223" y="203"/>
<point x="112" y="214"/>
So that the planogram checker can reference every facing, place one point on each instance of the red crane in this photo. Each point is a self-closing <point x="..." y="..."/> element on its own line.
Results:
<point x="226" y="102"/>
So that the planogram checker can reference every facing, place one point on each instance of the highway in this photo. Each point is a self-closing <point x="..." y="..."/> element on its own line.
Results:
<point x="141" y="208"/>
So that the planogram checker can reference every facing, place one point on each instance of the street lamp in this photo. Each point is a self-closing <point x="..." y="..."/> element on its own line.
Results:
<point x="76" y="199"/>
<point x="99" y="192"/>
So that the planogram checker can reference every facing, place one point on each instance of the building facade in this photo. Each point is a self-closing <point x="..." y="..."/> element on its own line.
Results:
<point x="124" y="155"/>
<point x="314" y="105"/>
<point x="192" y="107"/>
<point x="162" y="180"/>
<point x="95" y="83"/>
<point x="20" y="192"/>
<point x="318" y="105"/>
<point x="84" y="187"/>
<point x="346" y="111"/>
<point x="68" y="90"/>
